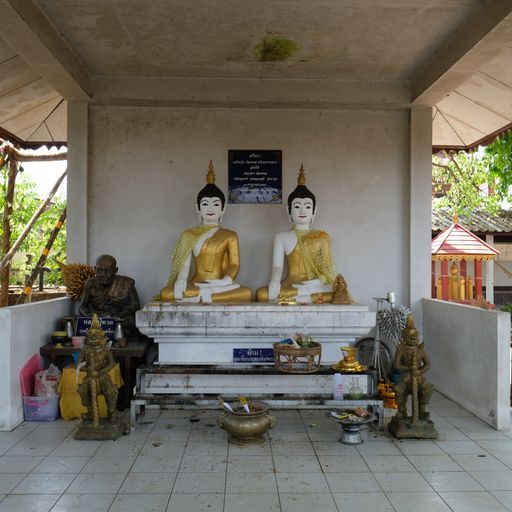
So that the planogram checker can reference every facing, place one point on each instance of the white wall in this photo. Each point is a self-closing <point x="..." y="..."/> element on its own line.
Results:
<point x="23" y="329"/>
<point x="500" y="277"/>
<point x="147" y="164"/>
<point x="469" y="351"/>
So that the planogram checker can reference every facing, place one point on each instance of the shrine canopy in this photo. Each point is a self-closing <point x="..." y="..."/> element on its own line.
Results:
<point x="457" y="244"/>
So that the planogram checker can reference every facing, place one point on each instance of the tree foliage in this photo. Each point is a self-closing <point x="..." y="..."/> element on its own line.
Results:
<point x="26" y="202"/>
<point x="479" y="179"/>
<point x="499" y="155"/>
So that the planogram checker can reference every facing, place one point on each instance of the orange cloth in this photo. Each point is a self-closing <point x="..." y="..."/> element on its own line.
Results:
<point x="70" y="403"/>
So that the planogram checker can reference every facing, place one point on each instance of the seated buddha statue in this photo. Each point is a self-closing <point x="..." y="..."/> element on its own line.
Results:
<point x="311" y="269"/>
<point x="212" y="250"/>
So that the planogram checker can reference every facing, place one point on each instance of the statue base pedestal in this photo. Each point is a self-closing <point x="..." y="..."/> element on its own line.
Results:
<point x="404" y="428"/>
<point x="105" y="431"/>
<point x="208" y="334"/>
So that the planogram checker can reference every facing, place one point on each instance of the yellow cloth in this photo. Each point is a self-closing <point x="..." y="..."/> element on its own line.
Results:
<point x="70" y="403"/>
<point x="186" y="243"/>
<point x="315" y="249"/>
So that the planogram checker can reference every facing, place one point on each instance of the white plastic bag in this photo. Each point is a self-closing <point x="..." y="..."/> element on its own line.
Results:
<point x="46" y="381"/>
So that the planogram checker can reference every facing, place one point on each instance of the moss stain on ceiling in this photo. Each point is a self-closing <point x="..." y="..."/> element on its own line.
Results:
<point x="275" y="49"/>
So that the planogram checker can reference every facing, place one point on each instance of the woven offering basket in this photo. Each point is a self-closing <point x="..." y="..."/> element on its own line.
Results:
<point x="289" y="359"/>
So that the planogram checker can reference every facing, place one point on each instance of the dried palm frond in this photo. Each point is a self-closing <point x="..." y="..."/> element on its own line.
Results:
<point x="75" y="276"/>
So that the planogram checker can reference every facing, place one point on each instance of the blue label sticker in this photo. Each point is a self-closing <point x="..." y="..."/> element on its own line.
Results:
<point x="253" y="355"/>
<point x="83" y="323"/>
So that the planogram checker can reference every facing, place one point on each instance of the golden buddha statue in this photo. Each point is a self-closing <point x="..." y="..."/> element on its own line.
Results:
<point x="214" y="251"/>
<point x="311" y="269"/>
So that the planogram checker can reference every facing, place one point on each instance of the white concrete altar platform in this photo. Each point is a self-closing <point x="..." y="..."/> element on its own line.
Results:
<point x="207" y="334"/>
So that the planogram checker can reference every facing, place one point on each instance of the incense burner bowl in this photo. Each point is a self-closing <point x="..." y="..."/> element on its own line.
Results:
<point x="247" y="428"/>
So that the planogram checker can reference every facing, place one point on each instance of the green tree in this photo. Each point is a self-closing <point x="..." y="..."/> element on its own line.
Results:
<point x="499" y="155"/>
<point x="477" y="179"/>
<point x="26" y="203"/>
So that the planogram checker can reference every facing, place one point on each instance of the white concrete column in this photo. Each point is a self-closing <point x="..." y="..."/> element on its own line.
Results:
<point x="420" y="209"/>
<point x="489" y="273"/>
<point x="78" y="146"/>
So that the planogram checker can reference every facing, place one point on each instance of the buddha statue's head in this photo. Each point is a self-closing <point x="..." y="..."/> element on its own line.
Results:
<point x="301" y="202"/>
<point x="211" y="201"/>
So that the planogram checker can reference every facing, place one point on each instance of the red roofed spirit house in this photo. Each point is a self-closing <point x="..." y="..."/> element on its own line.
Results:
<point x="459" y="245"/>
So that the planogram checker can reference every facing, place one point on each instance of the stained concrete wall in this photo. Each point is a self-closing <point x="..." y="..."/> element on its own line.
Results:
<point x="470" y="355"/>
<point x="23" y="329"/>
<point x="147" y="164"/>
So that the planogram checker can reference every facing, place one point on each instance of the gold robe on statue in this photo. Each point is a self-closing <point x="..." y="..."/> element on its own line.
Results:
<point x="219" y="257"/>
<point x="321" y="266"/>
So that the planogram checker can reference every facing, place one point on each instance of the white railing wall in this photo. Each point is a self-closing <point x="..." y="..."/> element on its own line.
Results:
<point x="469" y="350"/>
<point x="23" y="329"/>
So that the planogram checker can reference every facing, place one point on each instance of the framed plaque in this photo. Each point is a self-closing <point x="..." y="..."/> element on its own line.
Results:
<point x="255" y="176"/>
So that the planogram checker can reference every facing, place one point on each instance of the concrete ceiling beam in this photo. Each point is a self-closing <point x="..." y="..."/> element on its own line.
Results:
<point x="26" y="28"/>
<point x="481" y="38"/>
<point x="251" y="92"/>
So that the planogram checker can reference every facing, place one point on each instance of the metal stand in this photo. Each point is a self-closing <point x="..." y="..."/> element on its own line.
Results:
<point x="351" y="434"/>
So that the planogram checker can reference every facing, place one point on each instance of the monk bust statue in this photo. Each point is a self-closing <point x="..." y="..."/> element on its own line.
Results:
<point x="214" y="253"/>
<point x="311" y="269"/>
<point x="111" y="295"/>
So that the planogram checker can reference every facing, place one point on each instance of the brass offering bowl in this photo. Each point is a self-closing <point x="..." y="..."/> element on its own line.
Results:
<point x="350" y="362"/>
<point x="247" y="428"/>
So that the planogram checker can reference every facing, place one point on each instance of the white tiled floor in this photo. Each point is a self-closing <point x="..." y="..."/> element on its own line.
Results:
<point x="170" y="464"/>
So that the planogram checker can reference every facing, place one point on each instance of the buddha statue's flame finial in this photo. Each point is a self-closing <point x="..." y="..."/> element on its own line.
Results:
<point x="210" y="177"/>
<point x="455" y="218"/>
<point x="301" y="180"/>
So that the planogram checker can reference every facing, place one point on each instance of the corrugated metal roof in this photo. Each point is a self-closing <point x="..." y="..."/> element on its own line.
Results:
<point x="456" y="240"/>
<point x="478" y="221"/>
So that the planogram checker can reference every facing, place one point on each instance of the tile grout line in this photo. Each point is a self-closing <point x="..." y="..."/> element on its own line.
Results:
<point x="319" y="463"/>
<point x="128" y="472"/>
<point x="32" y="471"/>
<point x="179" y="465"/>
<point x="226" y="478"/>
<point x="489" y="495"/>
<point x="378" y="483"/>
<point x="275" y="470"/>
<point x="420" y="473"/>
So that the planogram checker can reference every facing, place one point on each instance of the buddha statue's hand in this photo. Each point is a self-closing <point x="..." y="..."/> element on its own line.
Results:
<point x="274" y="287"/>
<point x="312" y="286"/>
<point x="311" y="282"/>
<point x="302" y="288"/>
<point x="225" y="281"/>
<point x="179" y="288"/>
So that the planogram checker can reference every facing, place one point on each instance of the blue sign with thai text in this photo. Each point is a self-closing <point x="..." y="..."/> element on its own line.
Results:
<point x="253" y="355"/>
<point x="83" y="323"/>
